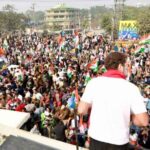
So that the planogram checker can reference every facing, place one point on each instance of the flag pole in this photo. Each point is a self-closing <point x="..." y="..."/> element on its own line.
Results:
<point x="76" y="128"/>
<point x="76" y="124"/>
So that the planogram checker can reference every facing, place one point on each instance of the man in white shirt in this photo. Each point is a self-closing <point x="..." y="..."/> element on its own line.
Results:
<point x="114" y="102"/>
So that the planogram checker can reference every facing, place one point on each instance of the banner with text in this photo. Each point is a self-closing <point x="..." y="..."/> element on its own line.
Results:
<point x="128" y="30"/>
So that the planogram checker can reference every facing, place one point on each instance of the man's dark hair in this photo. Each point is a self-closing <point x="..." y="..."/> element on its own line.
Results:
<point x="113" y="60"/>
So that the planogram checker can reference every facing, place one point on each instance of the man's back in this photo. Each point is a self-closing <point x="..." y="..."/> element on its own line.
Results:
<point x="112" y="100"/>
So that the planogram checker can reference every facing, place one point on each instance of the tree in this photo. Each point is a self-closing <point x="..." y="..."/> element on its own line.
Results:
<point x="9" y="8"/>
<point x="36" y="17"/>
<point x="144" y="21"/>
<point x="97" y="12"/>
<point x="2" y="21"/>
<point x="84" y="18"/>
<point x="10" y="20"/>
<point x="106" y="23"/>
<point x="85" y="23"/>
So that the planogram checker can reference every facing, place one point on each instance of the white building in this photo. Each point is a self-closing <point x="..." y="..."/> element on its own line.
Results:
<point x="62" y="17"/>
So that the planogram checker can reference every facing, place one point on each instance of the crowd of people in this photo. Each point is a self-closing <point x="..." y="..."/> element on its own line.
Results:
<point x="45" y="76"/>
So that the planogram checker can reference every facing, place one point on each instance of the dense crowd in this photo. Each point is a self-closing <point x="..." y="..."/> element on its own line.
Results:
<point x="46" y="75"/>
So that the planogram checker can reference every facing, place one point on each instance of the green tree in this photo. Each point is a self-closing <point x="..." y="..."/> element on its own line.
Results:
<point x="9" y="8"/>
<point x="97" y="12"/>
<point x="10" y="20"/>
<point x="143" y="19"/>
<point x="85" y="23"/>
<point x="37" y="17"/>
<point x="84" y="18"/>
<point x="106" y="23"/>
<point x="2" y="21"/>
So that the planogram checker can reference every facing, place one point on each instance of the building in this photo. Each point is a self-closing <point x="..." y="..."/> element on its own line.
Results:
<point x="62" y="17"/>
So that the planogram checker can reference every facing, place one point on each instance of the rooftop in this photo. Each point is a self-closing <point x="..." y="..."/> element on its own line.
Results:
<point x="10" y="136"/>
<point x="61" y="6"/>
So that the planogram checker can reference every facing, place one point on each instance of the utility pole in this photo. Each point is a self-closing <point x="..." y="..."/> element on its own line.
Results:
<point x="122" y="10"/>
<point x="114" y="20"/>
<point x="118" y="14"/>
<point x="90" y="20"/>
<point x="79" y="19"/>
<point x="33" y="14"/>
<point x="112" y="30"/>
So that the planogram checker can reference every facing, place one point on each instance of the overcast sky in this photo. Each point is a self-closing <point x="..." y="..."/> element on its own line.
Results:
<point x="23" y="5"/>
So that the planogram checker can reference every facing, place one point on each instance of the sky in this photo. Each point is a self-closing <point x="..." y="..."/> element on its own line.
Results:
<point x="23" y="5"/>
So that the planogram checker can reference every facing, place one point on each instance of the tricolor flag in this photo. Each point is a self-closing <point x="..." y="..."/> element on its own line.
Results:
<point x="60" y="39"/>
<point x="20" y="77"/>
<point x="93" y="65"/>
<point x="61" y="42"/>
<point x="145" y="40"/>
<point x="2" y="52"/>
<point x="103" y="69"/>
<point x="69" y="72"/>
<point x="76" y="39"/>
<point x="139" y="49"/>
<point x="77" y="97"/>
<point x="87" y="79"/>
